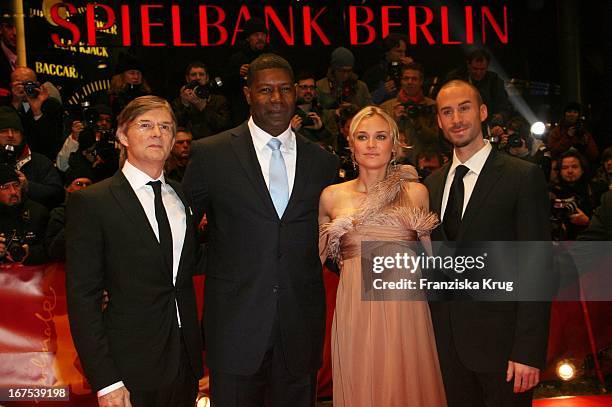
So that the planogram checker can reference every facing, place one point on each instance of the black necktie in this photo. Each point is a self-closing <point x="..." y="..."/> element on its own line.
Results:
<point x="454" y="206"/>
<point x="163" y="224"/>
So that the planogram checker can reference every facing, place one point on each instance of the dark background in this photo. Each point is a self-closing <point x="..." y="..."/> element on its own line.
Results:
<point x="547" y="40"/>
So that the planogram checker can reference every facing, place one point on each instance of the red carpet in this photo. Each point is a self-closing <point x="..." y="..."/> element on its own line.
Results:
<point x="578" y="401"/>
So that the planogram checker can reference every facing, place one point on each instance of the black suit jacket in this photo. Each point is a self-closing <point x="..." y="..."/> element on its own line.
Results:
<point x="259" y="267"/>
<point x="600" y="227"/>
<point x="509" y="203"/>
<point x="111" y="245"/>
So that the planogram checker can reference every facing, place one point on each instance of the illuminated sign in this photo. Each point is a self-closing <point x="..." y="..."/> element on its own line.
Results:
<point x="146" y="24"/>
<point x="65" y="71"/>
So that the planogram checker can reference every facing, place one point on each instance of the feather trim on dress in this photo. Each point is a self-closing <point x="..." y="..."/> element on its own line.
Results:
<point x="383" y="206"/>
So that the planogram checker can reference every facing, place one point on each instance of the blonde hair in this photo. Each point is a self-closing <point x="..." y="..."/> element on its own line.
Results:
<point x="370" y="111"/>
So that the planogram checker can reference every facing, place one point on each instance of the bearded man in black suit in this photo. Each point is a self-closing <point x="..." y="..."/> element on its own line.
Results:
<point x="490" y="353"/>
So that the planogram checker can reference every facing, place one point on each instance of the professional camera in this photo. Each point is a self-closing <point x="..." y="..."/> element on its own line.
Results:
<point x="395" y="73"/>
<point x="8" y="155"/>
<point x="306" y="120"/>
<point x="204" y="91"/>
<point x="30" y="88"/>
<point x="515" y="139"/>
<point x="496" y="122"/>
<point x="14" y="246"/>
<point x="564" y="208"/>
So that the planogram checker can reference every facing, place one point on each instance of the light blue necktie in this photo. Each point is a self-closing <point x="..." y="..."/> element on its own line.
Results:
<point x="279" y="185"/>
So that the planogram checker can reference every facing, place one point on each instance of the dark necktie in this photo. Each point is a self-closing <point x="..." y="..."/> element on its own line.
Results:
<point x="163" y="224"/>
<point x="454" y="206"/>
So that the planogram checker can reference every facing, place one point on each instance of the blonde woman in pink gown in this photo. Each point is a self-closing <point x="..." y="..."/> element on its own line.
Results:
<point x="383" y="352"/>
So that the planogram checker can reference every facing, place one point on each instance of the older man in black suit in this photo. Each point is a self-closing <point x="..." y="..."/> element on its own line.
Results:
<point x="259" y="185"/>
<point x="134" y="236"/>
<point x="490" y="353"/>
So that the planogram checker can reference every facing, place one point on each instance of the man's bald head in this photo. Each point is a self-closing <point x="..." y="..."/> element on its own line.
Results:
<point x="22" y="74"/>
<point x="459" y="82"/>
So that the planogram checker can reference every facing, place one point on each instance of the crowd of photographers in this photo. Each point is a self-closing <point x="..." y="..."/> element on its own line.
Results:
<point x="49" y="149"/>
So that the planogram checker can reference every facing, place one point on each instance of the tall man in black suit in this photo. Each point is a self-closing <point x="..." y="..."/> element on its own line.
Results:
<point x="259" y="185"/>
<point x="134" y="236"/>
<point x="490" y="353"/>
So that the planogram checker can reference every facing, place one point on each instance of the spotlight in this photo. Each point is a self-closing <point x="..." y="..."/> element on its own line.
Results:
<point x="566" y="371"/>
<point x="538" y="128"/>
<point x="203" y="401"/>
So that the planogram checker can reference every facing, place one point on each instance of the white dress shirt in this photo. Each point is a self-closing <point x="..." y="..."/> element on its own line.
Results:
<point x="264" y="153"/>
<point x="69" y="147"/>
<point x="474" y="164"/>
<point x="176" y="216"/>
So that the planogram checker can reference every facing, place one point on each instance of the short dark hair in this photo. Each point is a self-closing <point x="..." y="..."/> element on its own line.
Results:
<point x="478" y="55"/>
<point x="393" y="40"/>
<point x="573" y="153"/>
<point x="414" y="66"/>
<point x="606" y="155"/>
<point x="195" y="64"/>
<point x="303" y="75"/>
<point x="268" y="61"/>
<point x="347" y="113"/>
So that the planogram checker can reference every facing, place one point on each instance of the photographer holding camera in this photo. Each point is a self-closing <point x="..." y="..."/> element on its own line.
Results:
<point x="96" y="155"/>
<point x="571" y="133"/>
<point x="341" y="87"/>
<point x="40" y="114"/>
<point x="307" y="120"/>
<point x="384" y="78"/>
<point x="414" y="112"/>
<point x="96" y="122"/>
<point x="515" y="139"/>
<point x="573" y="197"/>
<point x="37" y="175"/>
<point x="197" y="108"/>
<point x="22" y="222"/>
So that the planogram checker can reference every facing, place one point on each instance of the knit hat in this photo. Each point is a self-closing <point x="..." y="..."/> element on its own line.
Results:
<point x="254" y="25"/>
<point x="127" y="62"/>
<point x="7" y="174"/>
<point x="342" y="57"/>
<point x="9" y="119"/>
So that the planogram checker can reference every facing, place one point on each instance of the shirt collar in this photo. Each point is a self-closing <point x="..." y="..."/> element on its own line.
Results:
<point x="475" y="162"/>
<point x="261" y="137"/>
<point x="137" y="178"/>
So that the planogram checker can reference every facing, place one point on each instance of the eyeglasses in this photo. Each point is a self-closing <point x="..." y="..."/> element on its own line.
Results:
<point x="9" y="185"/>
<point x="146" y="126"/>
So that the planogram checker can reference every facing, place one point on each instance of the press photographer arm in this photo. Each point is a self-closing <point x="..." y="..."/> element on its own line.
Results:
<point x="36" y="100"/>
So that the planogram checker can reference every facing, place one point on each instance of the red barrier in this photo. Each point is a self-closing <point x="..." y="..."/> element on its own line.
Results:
<point x="36" y="348"/>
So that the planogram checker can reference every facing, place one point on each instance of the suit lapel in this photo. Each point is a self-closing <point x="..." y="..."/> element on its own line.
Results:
<point x="487" y="179"/>
<point x="128" y="201"/>
<point x="302" y="171"/>
<point x="245" y="151"/>
<point x="438" y="192"/>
